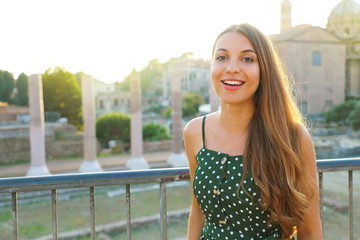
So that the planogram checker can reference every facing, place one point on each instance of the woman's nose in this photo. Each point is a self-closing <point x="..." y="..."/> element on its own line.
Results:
<point x="233" y="67"/>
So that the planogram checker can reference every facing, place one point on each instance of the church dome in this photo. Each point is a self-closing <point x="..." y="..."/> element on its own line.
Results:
<point x="344" y="19"/>
<point x="345" y="7"/>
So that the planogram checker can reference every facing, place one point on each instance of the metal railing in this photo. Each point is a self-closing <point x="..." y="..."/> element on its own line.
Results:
<point x="333" y="165"/>
<point x="91" y="180"/>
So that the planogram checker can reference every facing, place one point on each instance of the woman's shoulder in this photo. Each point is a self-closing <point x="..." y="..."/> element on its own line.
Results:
<point x="306" y="144"/>
<point x="193" y="139"/>
<point x="193" y="127"/>
<point x="303" y="133"/>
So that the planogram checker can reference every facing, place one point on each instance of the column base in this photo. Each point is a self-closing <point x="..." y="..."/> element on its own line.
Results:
<point x="38" y="171"/>
<point x="178" y="160"/>
<point x="90" y="166"/>
<point x="137" y="163"/>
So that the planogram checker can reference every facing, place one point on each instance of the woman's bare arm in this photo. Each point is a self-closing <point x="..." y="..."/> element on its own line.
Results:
<point x="192" y="136"/>
<point x="311" y="228"/>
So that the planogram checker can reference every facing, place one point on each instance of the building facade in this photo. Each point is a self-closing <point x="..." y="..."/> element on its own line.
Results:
<point x="315" y="59"/>
<point x="195" y="78"/>
<point x="107" y="99"/>
<point x="325" y="63"/>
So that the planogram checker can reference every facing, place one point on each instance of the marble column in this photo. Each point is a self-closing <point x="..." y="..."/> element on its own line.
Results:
<point x="177" y="159"/>
<point x="137" y="160"/>
<point x="37" y="127"/>
<point x="213" y="99"/>
<point x="90" y="163"/>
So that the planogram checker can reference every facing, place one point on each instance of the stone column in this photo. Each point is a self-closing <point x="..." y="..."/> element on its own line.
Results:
<point x="37" y="127"/>
<point x="90" y="163"/>
<point x="213" y="99"/>
<point x="177" y="159"/>
<point x="137" y="160"/>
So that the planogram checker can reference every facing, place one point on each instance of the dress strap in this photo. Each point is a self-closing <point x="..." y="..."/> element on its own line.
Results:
<point x="203" y="131"/>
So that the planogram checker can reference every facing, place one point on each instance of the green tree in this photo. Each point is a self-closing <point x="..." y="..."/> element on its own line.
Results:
<point x="113" y="126"/>
<point x="23" y="91"/>
<point x="155" y="132"/>
<point x="62" y="94"/>
<point x="78" y="77"/>
<point x="191" y="103"/>
<point x="7" y="83"/>
<point x="15" y="101"/>
<point x="167" y="113"/>
<point x="150" y="77"/>
<point x="340" y="112"/>
<point x="354" y="117"/>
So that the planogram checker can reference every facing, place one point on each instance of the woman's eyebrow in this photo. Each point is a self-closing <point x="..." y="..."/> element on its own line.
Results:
<point x="248" y="50"/>
<point x="243" y="51"/>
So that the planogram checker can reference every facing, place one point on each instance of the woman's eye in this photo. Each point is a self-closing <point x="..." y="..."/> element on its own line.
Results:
<point x="248" y="59"/>
<point x="221" y="58"/>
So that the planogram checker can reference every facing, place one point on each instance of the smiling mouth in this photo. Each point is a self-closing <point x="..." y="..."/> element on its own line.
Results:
<point x="233" y="83"/>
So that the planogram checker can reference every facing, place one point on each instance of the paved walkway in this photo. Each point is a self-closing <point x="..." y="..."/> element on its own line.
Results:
<point x="111" y="163"/>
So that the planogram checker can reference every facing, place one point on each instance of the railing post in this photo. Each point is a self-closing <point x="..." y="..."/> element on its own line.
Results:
<point x="15" y="215"/>
<point x="351" y="224"/>
<point x="321" y="199"/>
<point x="128" y="212"/>
<point x="163" y="213"/>
<point x="54" y="213"/>
<point x="92" y="212"/>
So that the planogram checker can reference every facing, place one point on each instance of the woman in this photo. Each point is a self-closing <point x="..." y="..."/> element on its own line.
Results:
<point x="252" y="164"/>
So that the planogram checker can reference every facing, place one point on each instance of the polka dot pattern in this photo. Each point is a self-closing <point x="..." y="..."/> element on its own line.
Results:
<point x="230" y="213"/>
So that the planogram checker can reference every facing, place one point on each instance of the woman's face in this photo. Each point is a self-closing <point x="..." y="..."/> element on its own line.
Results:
<point x="235" y="71"/>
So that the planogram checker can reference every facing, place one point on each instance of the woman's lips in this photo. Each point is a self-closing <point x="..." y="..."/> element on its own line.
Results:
<point x="232" y="84"/>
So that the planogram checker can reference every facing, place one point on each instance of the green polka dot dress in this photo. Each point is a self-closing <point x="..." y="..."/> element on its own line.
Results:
<point x="229" y="213"/>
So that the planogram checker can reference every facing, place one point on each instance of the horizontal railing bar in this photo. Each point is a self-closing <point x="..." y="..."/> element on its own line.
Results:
<point x="22" y="184"/>
<point x="63" y="181"/>
<point x="340" y="164"/>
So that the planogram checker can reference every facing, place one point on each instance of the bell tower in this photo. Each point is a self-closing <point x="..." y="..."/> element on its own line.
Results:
<point x="285" y="16"/>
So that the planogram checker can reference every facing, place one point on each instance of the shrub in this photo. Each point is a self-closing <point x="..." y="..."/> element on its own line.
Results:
<point x="191" y="103"/>
<point x="340" y="112"/>
<point x="155" y="132"/>
<point x="167" y="113"/>
<point x="354" y="117"/>
<point x="113" y="126"/>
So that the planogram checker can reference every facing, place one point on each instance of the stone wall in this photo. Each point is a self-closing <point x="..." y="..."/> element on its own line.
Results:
<point x="154" y="146"/>
<point x="331" y="153"/>
<point x="165" y="145"/>
<point x="18" y="149"/>
<point x="61" y="141"/>
<point x="14" y="149"/>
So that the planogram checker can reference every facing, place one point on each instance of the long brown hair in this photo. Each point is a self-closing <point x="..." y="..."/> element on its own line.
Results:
<point x="273" y="145"/>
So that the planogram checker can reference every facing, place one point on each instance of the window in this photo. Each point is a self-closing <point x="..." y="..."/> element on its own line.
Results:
<point x="101" y="104"/>
<point x="116" y="102"/>
<point x="316" y="58"/>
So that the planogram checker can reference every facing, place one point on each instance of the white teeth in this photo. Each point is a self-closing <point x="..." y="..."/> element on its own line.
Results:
<point x="234" y="83"/>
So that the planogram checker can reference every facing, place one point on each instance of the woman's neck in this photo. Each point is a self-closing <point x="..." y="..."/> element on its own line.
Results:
<point x="236" y="118"/>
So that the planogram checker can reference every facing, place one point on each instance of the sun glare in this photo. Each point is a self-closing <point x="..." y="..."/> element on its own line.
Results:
<point x="107" y="39"/>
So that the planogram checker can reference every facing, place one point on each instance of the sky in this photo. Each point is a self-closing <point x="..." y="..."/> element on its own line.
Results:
<point x="109" y="38"/>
